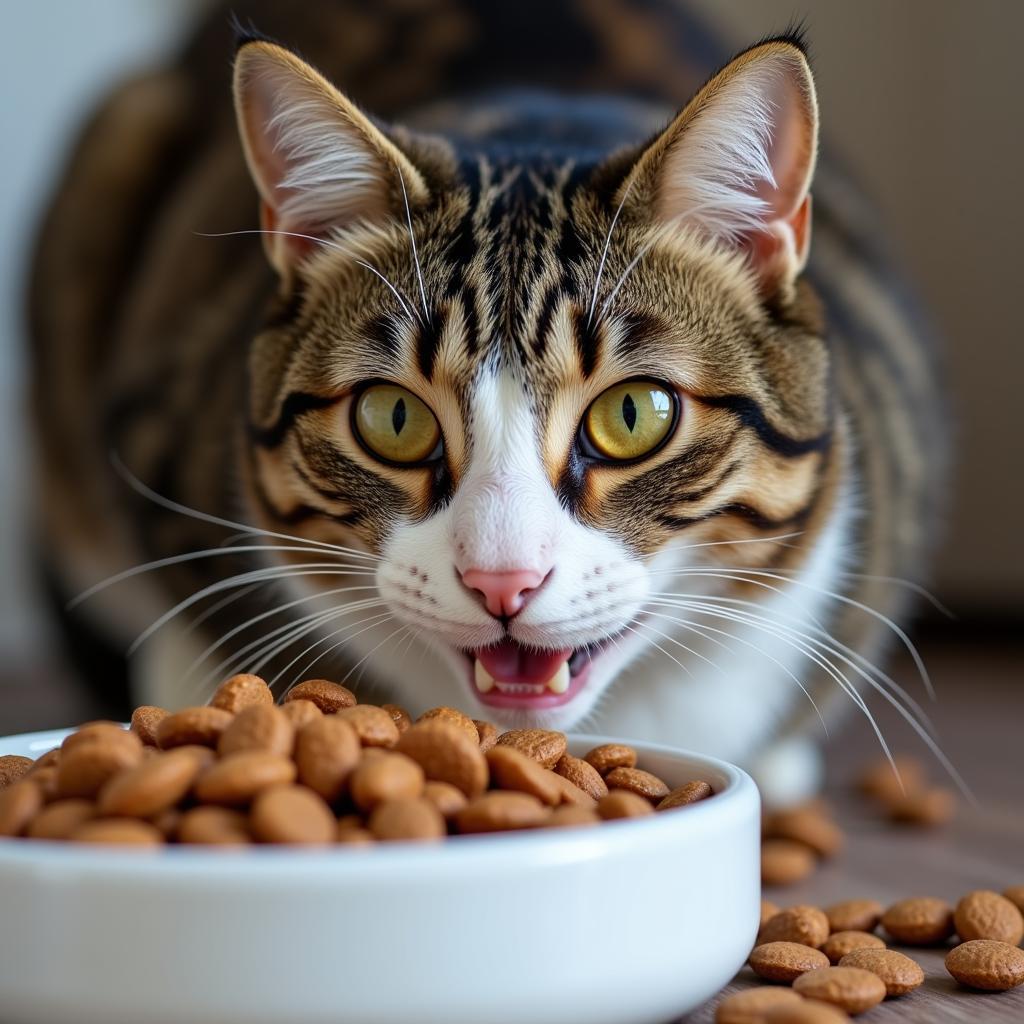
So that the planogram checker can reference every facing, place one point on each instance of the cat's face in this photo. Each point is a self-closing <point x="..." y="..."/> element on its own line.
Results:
<point x="579" y="382"/>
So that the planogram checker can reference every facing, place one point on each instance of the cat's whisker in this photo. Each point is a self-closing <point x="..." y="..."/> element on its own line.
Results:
<point x="368" y="623"/>
<point x="242" y="579"/>
<point x="174" y="506"/>
<point x="412" y="242"/>
<point x="632" y="629"/>
<point x="277" y="610"/>
<point x="644" y="249"/>
<point x="604" y="252"/>
<point x="778" y="539"/>
<point x="362" y="662"/>
<point x="327" y="243"/>
<point x="223" y="603"/>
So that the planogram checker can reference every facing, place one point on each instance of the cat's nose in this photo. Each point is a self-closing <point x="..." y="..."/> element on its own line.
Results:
<point x="505" y="593"/>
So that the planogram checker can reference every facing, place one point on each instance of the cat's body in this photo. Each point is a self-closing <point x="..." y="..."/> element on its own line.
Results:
<point x="816" y="460"/>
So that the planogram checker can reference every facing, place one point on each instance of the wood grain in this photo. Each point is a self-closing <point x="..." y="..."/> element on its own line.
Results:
<point x="980" y="721"/>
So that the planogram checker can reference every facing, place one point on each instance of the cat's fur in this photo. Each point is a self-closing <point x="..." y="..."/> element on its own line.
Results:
<point x="224" y="385"/>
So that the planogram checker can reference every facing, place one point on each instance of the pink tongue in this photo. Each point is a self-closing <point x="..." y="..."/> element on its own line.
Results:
<point x="509" y="663"/>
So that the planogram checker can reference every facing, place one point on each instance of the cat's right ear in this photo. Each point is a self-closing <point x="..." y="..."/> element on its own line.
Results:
<point x="317" y="161"/>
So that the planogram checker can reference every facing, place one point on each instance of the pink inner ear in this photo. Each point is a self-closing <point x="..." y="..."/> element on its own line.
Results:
<point x="789" y="150"/>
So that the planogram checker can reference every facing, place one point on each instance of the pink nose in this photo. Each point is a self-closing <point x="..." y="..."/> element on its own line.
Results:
<point x="505" y="593"/>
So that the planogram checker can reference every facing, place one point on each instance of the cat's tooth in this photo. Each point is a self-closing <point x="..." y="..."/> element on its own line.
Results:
<point x="484" y="679"/>
<point x="559" y="682"/>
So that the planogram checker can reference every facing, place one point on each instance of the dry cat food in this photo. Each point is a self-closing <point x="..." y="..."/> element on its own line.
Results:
<point x="795" y="839"/>
<point x="902" y="792"/>
<point x="320" y="768"/>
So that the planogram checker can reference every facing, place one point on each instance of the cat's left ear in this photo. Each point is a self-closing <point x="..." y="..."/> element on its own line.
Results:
<point x="317" y="160"/>
<point x="736" y="164"/>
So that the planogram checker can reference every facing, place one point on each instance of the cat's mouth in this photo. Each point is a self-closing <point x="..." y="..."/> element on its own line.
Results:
<point x="510" y="675"/>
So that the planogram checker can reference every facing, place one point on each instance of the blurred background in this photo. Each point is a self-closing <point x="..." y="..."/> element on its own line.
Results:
<point x="921" y="98"/>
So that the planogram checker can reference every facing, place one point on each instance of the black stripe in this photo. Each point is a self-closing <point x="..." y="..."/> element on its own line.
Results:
<point x="297" y="403"/>
<point x="547" y="311"/>
<point x="747" y="512"/>
<point x="587" y="341"/>
<point x="751" y="415"/>
<point x="299" y="514"/>
<point x="427" y="344"/>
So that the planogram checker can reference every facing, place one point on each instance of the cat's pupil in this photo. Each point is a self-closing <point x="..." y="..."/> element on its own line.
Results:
<point x="629" y="412"/>
<point x="398" y="416"/>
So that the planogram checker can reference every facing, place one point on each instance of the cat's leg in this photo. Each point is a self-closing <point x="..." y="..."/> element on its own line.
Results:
<point x="789" y="771"/>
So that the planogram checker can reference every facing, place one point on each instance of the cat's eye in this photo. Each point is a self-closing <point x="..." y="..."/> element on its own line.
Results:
<point x="629" y="420"/>
<point x="396" y="426"/>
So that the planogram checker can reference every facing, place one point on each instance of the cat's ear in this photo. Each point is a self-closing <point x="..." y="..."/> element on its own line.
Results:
<point x="317" y="161"/>
<point x="736" y="164"/>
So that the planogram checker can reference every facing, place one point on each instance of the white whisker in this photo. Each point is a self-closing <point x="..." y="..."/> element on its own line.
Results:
<point x="412" y="240"/>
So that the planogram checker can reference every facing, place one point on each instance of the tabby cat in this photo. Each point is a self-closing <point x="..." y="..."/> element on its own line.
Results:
<point x="521" y="400"/>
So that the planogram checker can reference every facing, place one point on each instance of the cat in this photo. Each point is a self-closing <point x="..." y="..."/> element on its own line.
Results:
<point x="535" y="398"/>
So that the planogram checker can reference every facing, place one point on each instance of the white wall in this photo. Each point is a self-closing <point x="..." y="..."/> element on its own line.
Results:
<point x="59" y="57"/>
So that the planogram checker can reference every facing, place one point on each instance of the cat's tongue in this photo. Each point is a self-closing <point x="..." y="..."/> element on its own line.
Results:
<point x="508" y="662"/>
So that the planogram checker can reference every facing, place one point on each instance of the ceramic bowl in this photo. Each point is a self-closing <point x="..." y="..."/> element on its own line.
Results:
<point x="629" y="922"/>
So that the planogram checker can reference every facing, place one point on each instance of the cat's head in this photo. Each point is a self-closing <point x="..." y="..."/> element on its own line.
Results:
<point x="535" y="386"/>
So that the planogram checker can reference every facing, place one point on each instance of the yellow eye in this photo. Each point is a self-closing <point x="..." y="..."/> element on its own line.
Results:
<point x="395" y="425"/>
<point x="630" y="420"/>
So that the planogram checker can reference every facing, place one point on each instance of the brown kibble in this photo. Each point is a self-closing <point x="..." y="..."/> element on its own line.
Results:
<point x="13" y="767"/>
<point x="373" y="725"/>
<point x="292" y="814"/>
<point x="49" y="760"/>
<point x="145" y="720"/>
<point x="543" y="745"/>
<point x="390" y="778"/>
<point x="152" y="786"/>
<point x="454" y="716"/>
<point x="85" y="767"/>
<point x="399" y="716"/>
<point x="582" y="775"/>
<point x="984" y="914"/>
<point x="785" y="861"/>
<point x="118" y="832"/>
<point x="327" y="696"/>
<point x="803" y="923"/>
<point x="644" y="784"/>
<point x="259" y="727"/>
<point x="20" y="802"/>
<point x="768" y="910"/>
<point x="60" y="819"/>
<point x="850" y="988"/>
<point x="415" y="819"/>
<point x="487" y="734"/>
<point x="785" y="961"/>
<point x="854" y="915"/>
<point x="750" y="1005"/>
<point x="921" y="921"/>
<point x="1015" y="894"/>
<point x="806" y="1011"/>
<point x="236" y="779"/>
<point x="499" y="811"/>
<point x="806" y="826"/>
<point x="300" y="713"/>
<point x="217" y="826"/>
<point x="570" y="794"/>
<point x="609" y="756"/>
<point x="838" y="944"/>
<point x="92" y="731"/>
<point x="242" y="691"/>
<point x="511" y="769"/>
<point x="446" y="754"/>
<point x="899" y="973"/>
<point x="623" y="803"/>
<point x="987" y="964"/>
<point x="201" y="726"/>
<point x="167" y="822"/>
<point x="927" y="809"/>
<point x="354" y="836"/>
<point x="570" y="815"/>
<point x="46" y="780"/>
<point x="881" y="782"/>
<point x="681" y="796"/>
<point x="445" y="797"/>
<point x="326" y="753"/>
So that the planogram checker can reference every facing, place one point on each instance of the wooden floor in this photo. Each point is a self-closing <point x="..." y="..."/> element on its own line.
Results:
<point x="980" y="719"/>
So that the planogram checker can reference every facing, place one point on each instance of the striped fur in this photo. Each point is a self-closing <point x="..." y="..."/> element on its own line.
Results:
<point x="228" y="394"/>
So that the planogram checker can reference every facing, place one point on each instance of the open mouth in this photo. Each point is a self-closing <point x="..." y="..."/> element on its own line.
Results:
<point x="509" y="675"/>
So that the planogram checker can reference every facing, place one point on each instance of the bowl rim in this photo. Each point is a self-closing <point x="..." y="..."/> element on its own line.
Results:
<point x="454" y="856"/>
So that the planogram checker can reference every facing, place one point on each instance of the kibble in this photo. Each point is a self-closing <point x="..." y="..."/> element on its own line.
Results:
<point x="318" y="769"/>
<point x="987" y="965"/>
<point x="785" y="961"/>
<point x="839" y="944"/>
<point x="805" y="825"/>
<point x="803" y="923"/>
<point x="807" y="1011"/>
<point x="928" y="809"/>
<point x="1015" y="894"/>
<point x="752" y="1004"/>
<point x="785" y="861"/>
<point x="852" y="989"/>
<point x="898" y="972"/>
<point x="987" y="915"/>
<point x="854" y="915"/>
<point x="920" y="921"/>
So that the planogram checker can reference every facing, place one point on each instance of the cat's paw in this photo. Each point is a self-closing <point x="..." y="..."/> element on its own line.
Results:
<point x="789" y="771"/>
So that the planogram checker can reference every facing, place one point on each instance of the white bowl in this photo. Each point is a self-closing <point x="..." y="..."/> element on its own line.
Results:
<point x="623" y="923"/>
